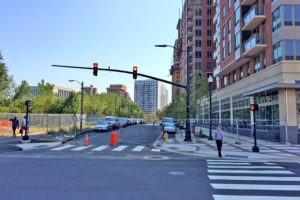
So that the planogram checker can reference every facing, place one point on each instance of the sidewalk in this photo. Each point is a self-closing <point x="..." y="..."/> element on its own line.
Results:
<point x="207" y="148"/>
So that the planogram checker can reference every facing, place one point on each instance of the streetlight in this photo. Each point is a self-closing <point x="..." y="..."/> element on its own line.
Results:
<point x="81" y="110"/>
<point x="188" y="137"/>
<point x="210" y="80"/>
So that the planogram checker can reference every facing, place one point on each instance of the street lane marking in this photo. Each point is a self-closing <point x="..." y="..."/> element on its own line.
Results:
<point x="61" y="148"/>
<point x="100" y="148"/>
<point x="253" y="178"/>
<point x="120" y="148"/>
<point x="238" y="197"/>
<point x="81" y="148"/>
<point x="249" y="171"/>
<point x="255" y="187"/>
<point x="239" y="161"/>
<point x="213" y="163"/>
<point x="138" y="148"/>
<point x="155" y="150"/>
<point x="244" y="167"/>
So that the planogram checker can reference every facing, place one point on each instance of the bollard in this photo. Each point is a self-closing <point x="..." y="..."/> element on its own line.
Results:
<point x="114" y="139"/>
<point x="166" y="137"/>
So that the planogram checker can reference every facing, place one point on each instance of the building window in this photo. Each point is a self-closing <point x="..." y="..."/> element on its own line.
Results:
<point x="256" y="64"/>
<point x="264" y="60"/>
<point x="237" y="40"/>
<point x="225" y="81"/>
<point x="198" y="12"/>
<point x="276" y="19"/>
<point x="229" y="25"/>
<point x="287" y="15"/>
<point x="297" y="15"/>
<point x="209" y="43"/>
<point x="224" y="56"/>
<point x="248" y="69"/>
<point x="223" y="11"/>
<point x="209" y="2"/>
<point x="229" y="4"/>
<point x="198" y="65"/>
<point x="198" y="32"/>
<point x="277" y="52"/>
<point x="198" y="54"/>
<point x="198" y="43"/>
<point x="223" y="32"/>
<point x="289" y="50"/>
<point x="209" y="12"/>
<point x="297" y="49"/>
<point x="209" y="65"/>
<point x="198" y="22"/>
<point x="209" y="54"/>
<point x="229" y="79"/>
<point x="209" y="22"/>
<point x="234" y="77"/>
<point x="229" y="48"/>
<point x="237" y="16"/>
<point x="241" y="73"/>
<point x="209" y="33"/>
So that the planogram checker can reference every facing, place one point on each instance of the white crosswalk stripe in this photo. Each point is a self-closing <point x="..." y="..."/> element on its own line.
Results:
<point x="101" y="148"/>
<point x="138" y="148"/>
<point x="81" y="148"/>
<point x="241" y="171"/>
<point x="120" y="148"/>
<point x="62" y="147"/>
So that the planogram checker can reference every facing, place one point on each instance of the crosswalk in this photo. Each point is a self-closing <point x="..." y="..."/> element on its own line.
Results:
<point x="246" y="180"/>
<point x="120" y="148"/>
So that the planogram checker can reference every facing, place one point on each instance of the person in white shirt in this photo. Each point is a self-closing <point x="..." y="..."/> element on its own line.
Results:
<point x="219" y="136"/>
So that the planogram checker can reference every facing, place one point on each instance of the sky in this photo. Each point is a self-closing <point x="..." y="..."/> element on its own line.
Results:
<point x="36" y="34"/>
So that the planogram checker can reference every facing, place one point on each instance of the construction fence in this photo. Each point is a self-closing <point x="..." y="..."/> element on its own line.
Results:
<point x="48" y="123"/>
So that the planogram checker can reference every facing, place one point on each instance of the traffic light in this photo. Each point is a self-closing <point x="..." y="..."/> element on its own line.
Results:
<point x="95" y="69"/>
<point x="254" y="107"/>
<point x="134" y="72"/>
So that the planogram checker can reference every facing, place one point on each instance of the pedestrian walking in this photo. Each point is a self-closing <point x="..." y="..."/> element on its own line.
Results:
<point x="15" y="125"/>
<point x="24" y="126"/>
<point x="219" y="136"/>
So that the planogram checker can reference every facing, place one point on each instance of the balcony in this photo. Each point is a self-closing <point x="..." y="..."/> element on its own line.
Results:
<point x="254" y="17"/>
<point x="190" y="34"/>
<point x="215" y="36"/>
<point x="247" y="2"/>
<point x="190" y="23"/>
<point x="253" y="46"/>
<point x="190" y="13"/>
<point x="190" y="3"/>
<point x="190" y="43"/>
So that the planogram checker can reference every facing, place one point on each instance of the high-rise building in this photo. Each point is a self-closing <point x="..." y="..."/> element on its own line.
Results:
<point x="258" y="61"/>
<point x="90" y="90"/>
<point x="120" y="90"/>
<point x="62" y="92"/>
<point x="150" y="95"/>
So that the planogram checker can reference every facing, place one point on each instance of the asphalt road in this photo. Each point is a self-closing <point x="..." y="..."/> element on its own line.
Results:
<point x="143" y="174"/>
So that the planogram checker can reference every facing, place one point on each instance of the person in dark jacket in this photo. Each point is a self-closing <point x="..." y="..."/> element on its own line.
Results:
<point x="219" y="136"/>
<point x="15" y="125"/>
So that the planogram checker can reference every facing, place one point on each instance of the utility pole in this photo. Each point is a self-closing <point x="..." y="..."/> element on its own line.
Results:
<point x="81" y="110"/>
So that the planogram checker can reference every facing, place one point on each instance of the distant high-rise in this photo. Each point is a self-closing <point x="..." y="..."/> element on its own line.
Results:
<point x="90" y="90"/>
<point x="120" y="90"/>
<point x="151" y="95"/>
<point x="62" y="92"/>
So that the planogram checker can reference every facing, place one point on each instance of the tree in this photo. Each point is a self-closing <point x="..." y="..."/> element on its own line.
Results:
<point x="45" y="88"/>
<point x="22" y="91"/>
<point x="71" y="104"/>
<point x="5" y="81"/>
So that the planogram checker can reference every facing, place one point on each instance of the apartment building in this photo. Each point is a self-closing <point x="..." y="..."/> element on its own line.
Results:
<point x="120" y="90"/>
<point x="150" y="95"/>
<point x="257" y="61"/>
<point x="195" y="33"/>
<point x="90" y="90"/>
<point x="62" y="92"/>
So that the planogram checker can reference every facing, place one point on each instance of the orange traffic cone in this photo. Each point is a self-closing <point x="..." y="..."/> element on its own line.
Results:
<point x="86" y="142"/>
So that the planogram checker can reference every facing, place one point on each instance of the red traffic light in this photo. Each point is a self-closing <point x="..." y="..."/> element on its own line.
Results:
<point x="134" y="72"/>
<point x="95" y="72"/>
<point x="254" y="107"/>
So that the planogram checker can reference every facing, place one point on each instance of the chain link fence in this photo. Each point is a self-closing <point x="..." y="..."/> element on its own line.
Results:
<point x="49" y="123"/>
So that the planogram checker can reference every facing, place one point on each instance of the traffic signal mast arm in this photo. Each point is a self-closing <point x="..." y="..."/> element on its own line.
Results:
<point x="123" y="71"/>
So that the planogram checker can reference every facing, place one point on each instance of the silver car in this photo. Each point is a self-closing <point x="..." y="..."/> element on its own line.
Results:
<point x="169" y="128"/>
<point x="104" y="126"/>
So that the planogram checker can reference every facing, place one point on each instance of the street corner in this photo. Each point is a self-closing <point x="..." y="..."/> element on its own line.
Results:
<point x="36" y="146"/>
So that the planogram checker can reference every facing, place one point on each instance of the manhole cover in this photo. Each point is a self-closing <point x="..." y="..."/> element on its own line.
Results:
<point x="156" y="157"/>
<point x="177" y="173"/>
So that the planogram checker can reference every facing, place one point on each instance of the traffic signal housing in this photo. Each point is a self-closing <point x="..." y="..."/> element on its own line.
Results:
<point x="134" y="73"/>
<point x="95" y="69"/>
<point x="253" y="107"/>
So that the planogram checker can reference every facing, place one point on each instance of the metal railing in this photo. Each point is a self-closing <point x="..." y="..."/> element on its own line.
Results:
<point x="257" y="9"/>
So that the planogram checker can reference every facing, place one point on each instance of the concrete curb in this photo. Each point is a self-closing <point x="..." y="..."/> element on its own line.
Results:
<point x="35" y="146"/>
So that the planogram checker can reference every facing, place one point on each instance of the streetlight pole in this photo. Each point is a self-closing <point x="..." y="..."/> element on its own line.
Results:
<point x="188" y="137"/>
<point x="210" y="80"/>
<point x="81" y="107"/>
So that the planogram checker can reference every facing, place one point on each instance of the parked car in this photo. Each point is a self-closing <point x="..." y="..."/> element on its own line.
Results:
<point x="123" y="122"/>
<point x="133" y="121"/>
<point x="169" y="128"/>
<point x="114" y="121"/>
<point x="167" y="120"/>
<point x="104" y="126"/>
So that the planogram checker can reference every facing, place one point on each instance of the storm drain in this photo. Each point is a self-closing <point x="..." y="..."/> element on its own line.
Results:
<point x="155" y="157"/>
